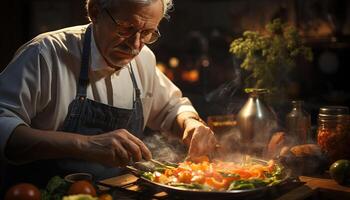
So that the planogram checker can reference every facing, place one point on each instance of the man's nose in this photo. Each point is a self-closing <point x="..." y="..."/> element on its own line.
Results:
<point x="135" y="41"/>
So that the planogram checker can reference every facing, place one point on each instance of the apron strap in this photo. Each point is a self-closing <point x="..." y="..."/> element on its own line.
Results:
<point x="136" y="88"/>
<point x="84" y="71"/>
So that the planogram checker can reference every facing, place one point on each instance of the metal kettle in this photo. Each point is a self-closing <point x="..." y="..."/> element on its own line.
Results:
<point x="256" y="120"/>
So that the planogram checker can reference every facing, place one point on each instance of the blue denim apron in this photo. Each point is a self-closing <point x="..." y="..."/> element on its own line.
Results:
<point x="89" y="117"/>
<point x="86" y="117"/>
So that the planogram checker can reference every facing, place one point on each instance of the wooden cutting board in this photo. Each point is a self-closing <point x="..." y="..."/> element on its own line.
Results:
<point x="317" y="188"/>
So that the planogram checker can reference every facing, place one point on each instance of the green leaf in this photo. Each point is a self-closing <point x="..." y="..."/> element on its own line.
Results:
<point x="266" y="55"/>
<point x="148" y="175"/>
<point x="240" y="184"/>
<point x="55" y="183"/>
<point x="56" y="188"/>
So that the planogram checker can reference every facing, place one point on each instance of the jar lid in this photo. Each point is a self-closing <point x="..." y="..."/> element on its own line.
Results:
<point x="333" y="111"/>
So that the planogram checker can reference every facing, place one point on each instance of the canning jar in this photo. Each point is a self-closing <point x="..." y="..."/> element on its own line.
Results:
<point x="333" y="134"/>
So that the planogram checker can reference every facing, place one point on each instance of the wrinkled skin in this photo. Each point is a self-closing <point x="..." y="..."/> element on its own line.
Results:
<point x="120" y="51"/>
<point x="200" y="139"/>
<point x="116" y="148"/>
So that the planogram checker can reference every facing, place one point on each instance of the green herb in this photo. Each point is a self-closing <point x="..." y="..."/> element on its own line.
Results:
<point x="148" y="175"/>
<point x="269" y="57"/>
<point x="241" y="184"/>
<point x="160" y="169"/>
<point x="55" y="189"/>
<point x="249" y="184"/>
<point x="171" y="164"/>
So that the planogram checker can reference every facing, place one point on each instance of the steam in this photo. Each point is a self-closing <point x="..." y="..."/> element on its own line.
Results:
<point x="227" y="90"/>
<point x="232" y="148"/>
<point x="165" y="147"/>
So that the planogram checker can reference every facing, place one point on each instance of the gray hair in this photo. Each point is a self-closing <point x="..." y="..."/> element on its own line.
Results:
<point x="167" y="4"/>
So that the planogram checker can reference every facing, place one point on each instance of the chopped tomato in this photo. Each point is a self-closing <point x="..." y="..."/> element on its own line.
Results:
<point x="168" y="172"/>
<point x="185" y="176"/>
<point x="242" y="173"/>
<point x="198" y="179"/>
<point x="160" y="178"/>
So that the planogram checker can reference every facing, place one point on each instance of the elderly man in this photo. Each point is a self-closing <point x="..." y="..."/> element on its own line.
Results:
<point x="78" y="99"/>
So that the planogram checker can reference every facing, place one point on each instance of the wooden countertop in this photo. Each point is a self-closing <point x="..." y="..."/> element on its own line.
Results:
<point x="319" y="188"/>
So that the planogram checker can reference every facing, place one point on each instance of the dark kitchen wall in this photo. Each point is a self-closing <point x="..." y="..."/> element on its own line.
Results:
<point x="23" y="20"/>
<point x="198" y="35"/>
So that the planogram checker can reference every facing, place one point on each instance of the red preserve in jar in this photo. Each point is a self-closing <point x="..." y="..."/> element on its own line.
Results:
<point x="333" y="134"/>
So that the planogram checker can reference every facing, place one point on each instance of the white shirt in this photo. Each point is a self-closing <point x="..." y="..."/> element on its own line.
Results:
<point x="40" y="82"/>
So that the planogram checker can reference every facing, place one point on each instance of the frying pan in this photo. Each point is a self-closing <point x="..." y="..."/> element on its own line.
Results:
<point x="255" y="193"/>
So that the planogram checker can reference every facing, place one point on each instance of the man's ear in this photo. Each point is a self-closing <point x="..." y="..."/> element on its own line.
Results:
<point x="94" y="11"/>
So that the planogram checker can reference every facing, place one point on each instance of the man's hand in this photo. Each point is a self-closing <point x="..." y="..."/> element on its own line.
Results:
<point x="199" y="138"/>
<point x="115" y="148"/>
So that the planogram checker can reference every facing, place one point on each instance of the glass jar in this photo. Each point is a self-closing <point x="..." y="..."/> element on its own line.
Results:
<point x="333" y="134"/>
<point x="298" y="123"/>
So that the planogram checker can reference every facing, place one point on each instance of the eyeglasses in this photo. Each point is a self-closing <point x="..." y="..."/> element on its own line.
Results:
<point x="146" y="36"/>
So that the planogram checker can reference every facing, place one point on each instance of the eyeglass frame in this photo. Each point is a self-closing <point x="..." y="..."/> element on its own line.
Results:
<point x="156" y="31"/>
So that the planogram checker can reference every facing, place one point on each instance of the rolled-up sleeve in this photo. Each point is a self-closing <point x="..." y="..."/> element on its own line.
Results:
<point x="167" y="103"/>
<point x="20" y="92"/>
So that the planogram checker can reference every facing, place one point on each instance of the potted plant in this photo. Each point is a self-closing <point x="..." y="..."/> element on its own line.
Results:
<point x="268" y="58"/>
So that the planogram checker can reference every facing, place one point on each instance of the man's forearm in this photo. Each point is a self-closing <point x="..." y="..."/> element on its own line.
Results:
<point x="181" y="120"/>
<point x="27" y="144"/>
<point x="179" y="123"/>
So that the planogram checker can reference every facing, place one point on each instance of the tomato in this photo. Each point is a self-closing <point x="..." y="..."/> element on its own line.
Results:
<point x="82" y="187"/>
<point x="340" y="171"/>
<point x="185" y="177"/>
<point x="105" y="197"/>
<point x="198" y="179"/>
<point x="23" y="191"/>
<point x="160" y="178"/>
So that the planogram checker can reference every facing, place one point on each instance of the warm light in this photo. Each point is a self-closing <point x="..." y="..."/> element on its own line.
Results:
<point x="205" y="63"/>
<point x="190" y="76"/>
<point x="174" y="62"/>
<point x="161" y="67"/>
<point x="168" y="72"/>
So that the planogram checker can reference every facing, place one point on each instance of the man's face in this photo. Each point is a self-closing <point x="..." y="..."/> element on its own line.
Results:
<point x="134" y="18"/>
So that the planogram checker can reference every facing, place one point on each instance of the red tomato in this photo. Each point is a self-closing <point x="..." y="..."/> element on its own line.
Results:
<point x="185" y="177"/>
<point x="82" y="187"/>
<point x="23" y="191"/>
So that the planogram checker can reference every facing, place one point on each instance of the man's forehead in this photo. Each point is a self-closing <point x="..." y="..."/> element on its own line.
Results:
<point x="131" y="5"/>
<point x="131" y="12"/>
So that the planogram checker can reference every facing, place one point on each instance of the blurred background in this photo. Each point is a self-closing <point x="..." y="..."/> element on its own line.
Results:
<point x="194" y="48"/>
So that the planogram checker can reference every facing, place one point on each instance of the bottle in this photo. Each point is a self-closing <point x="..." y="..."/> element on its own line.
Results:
<point x="256" y="120"/>
<point x="298" y="123"/>
<point x="333" y="132"/>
